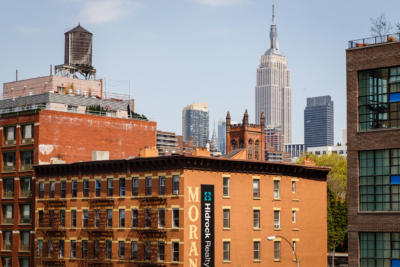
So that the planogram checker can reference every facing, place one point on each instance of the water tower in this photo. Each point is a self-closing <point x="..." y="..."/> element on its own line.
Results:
<point x="78" y="54"/>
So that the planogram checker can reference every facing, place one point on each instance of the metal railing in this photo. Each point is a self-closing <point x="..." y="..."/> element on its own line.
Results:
<point x="394" y="37"/>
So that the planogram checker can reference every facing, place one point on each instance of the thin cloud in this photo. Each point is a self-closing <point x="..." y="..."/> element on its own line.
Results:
<point x="221" y="2"/>
<point x="104" y="11"/>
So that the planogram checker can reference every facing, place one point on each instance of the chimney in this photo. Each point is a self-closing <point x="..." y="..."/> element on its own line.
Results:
<point x="148" y="152"/>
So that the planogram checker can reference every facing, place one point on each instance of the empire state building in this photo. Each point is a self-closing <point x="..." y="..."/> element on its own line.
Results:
<point x="273" y="91"/>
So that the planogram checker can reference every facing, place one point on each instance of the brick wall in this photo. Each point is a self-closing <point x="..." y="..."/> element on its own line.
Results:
<point x="72" y="137"/>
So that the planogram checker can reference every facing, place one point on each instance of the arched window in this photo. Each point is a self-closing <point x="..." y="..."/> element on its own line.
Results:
<point x="234" y="145"/>
<point x="241" y="144"/>
<point x="257" y="150"/>
<point x="250" y="150"/>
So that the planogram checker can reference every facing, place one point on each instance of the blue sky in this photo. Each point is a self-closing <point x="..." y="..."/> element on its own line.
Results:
<point x="177" y="52"/>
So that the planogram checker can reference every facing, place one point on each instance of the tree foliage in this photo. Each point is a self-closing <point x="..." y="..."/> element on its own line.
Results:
<point x="337" y="185"/>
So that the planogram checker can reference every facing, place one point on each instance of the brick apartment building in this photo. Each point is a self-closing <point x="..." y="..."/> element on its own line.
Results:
<point x="50" y="128"/>
<point x="167" y="211"/>
<point x="373" y="143"/>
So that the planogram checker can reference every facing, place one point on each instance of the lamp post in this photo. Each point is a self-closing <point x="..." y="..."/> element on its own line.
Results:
<point x="271" y="238"/>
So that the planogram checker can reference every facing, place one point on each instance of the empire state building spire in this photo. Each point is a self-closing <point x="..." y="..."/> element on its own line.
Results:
<point x="273" y="36"/>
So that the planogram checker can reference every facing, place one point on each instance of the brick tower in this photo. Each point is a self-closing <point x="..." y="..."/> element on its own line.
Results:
<point x="246" y="139"/>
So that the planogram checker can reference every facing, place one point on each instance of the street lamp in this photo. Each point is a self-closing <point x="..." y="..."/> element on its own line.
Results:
<point x="271" y="238"/>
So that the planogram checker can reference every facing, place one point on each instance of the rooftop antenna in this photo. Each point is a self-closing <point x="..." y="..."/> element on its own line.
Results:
<point x="273" y="12"/>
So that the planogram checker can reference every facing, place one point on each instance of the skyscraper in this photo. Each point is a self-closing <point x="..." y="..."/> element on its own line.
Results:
<point x="318" y="122"/>
<point x="195" y="123"/>
<point x="273" y="92"/>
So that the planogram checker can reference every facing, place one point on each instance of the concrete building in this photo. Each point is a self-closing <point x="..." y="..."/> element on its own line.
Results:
<point x="245" y="141"/>
<point x="295" y="151"/>
<point x="273" y="94"/>
<point x="167" y="143"/>
<point x="318" y="122"/>
<point x="180" y="211"/>
<point x="195" y="123"/>
<point x="274" y="139"/>
<point x="326" y="150"/>
<point x="373" y="142"/>
<point x="54" y="128"/>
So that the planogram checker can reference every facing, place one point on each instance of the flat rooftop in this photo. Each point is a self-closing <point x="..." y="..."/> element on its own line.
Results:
<point x="364" y="42"/>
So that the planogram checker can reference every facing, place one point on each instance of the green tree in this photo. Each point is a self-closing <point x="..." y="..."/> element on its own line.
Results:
<point x="337" y="185"/>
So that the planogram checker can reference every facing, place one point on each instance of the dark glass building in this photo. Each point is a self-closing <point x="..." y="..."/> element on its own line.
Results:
<point x="318" y="122"/>
<point x="195" y="124"/>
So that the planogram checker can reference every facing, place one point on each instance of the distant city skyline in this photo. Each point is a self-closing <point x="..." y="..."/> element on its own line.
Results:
<point x="171" y="53"/>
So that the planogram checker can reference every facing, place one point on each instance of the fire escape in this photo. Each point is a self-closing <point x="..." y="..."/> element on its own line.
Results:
<point x="97" y="232"/>
<point x="52" y="231"/>
<point x="149" y="232"/>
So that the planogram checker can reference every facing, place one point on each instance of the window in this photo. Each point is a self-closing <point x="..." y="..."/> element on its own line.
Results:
<point x="61" y="248"/>
<point x="8" y="187"/>
<point x="96" y="249"/>
<point x="276" y="189"/>
<point x="84" y="248"/>
<point x="109" y="187"/>
<point x="108" y="249"/>
<point x="6" y="261"/>
<point x="256" y="219"/>
<point x="134" y="250"/>
<point x="378" y="98"/>
<point x="26" y="160"/>
<point x="161" y="218"/>
<point x="109" y="218"/>
<point x="24" y="240"/>
<point x="148" y="186"/>
<point x="85" y="218"/>
<point x="41" y="189"/>
<point x="51" y="218"/>
<point x="256" y="150"/>
<point x="277" y="219"/>
<point x="161" y="185"/>
<point x="41" y="219"/>
<point x="135" y="186"/>
<point x="121" y="218"/>
<point x="226" y="188"/>
<point x="175" y="184"/>
<point x="294" y="245"/>
<point x="293" y="216"/>
<point x="147" y="251"/>
<point x="227" y="251"/>
<point x="161" y="251"/>
<point x="25" y="213"/>
<point x="25" y="186"/>
<point x="293" y="187"/>
<point x="73" y="218"/>
<point x="8" y="161"/>
<point x="379" y="183"/>
<point x="122" y="187"/>
<point x="256" y="188"/>
<point x="63" y="189"/>
<point x="7" y="240"/>
<point x="98" y="187"/>
<point x="50" y="248"/>
<point x="52" y="189"/>
<point x="277" y="250"/>
<point x="85" y="188"/>
<point x="40" y="248"/>
<point x="8" y="214"/>
<point x="147" y="218"/>
<point x="135" y="219"/>
<point x="74" y="188"/>
<point x="227" y="214"/>
<point x="73" y="248"/>
<point x="27" y="133"/>
<point x="121" y="250"/>
<point x="379" y="249"/>
<point x="250" y="150"/>
<point x="256" y="249"/>
<point x="62" y="218"/>
<point x="9" y="135"/>
<point x="175" y="217"/>
<point x="96" y="218"/>
<point x="175" y="251"/>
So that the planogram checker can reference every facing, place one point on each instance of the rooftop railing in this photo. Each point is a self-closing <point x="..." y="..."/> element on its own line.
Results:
<point x="394" y="37"/>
